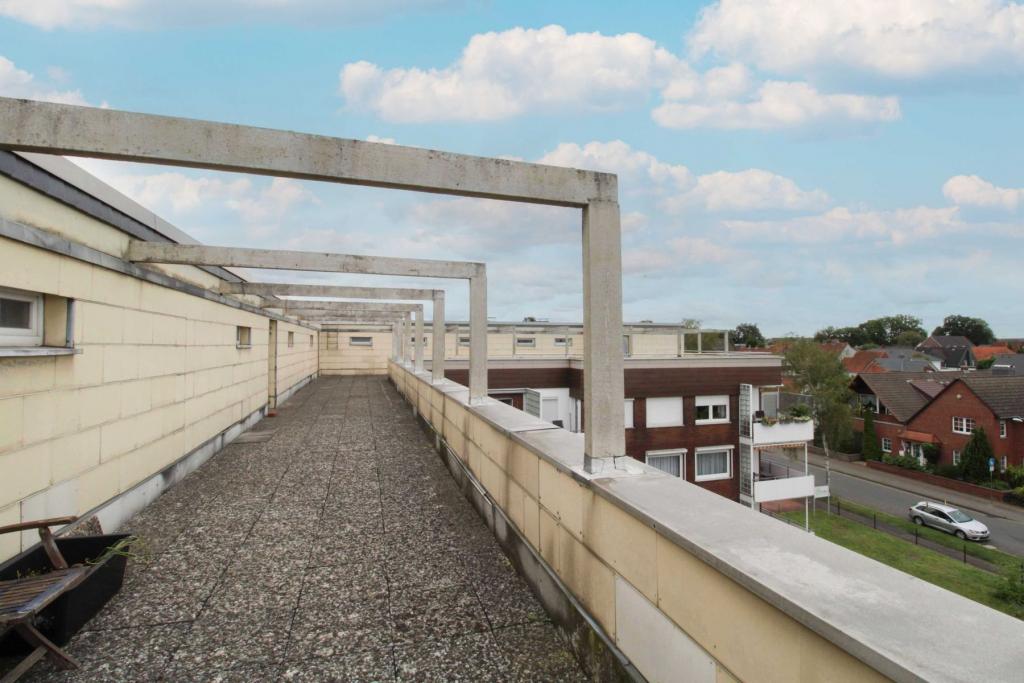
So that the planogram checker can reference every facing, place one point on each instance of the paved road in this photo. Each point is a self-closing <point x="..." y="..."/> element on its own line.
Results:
<point x="1007" y="534"/>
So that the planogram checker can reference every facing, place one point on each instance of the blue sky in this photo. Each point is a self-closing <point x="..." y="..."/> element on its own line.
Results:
<point x="782" y="163"/>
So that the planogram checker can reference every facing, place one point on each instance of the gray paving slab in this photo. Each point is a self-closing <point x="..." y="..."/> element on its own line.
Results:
<point x="340" y="549"/>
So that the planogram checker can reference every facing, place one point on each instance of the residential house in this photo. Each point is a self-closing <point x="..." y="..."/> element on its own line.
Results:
<point x="864" y="362"/>
<point x="986" y="351"/>
<point x="894" y="398"/>
<point x="972" y="401"/>
<point x="1008" y="364"/>
<point x="952" y="352"/>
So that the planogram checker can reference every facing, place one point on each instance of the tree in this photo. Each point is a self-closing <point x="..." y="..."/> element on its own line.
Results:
<point x="870" y="448"/>
<point x="909" y="338"/>
<point x="819" y="374"/>
<point x="882" y="331"/>
<point x="975" y="457"/>
<point x="975" y="329"/>
<point x="749" y="334"/>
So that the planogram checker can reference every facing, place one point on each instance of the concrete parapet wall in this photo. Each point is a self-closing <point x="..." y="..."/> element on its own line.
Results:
<point x="690" y="586"/>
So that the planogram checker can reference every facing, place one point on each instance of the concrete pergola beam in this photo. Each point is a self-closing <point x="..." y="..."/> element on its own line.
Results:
<point x="268" y="289"/>
<point x="49" y="128"/>
<point x="290" y="305"/>
<point x="105" y="133"/>
<point x="476" y="273"/>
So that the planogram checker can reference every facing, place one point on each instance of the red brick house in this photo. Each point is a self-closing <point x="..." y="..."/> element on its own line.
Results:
<point x="993" y="402"/>
<point x="895" y="397"/>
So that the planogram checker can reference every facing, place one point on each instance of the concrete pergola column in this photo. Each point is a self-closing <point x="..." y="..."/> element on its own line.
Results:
<point x="69" y="130"/>
<point x="418" y="341"/>
<point x="438" y="349"/>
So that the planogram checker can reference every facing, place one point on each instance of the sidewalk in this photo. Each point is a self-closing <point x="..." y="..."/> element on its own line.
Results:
<point x="926" y="491"/>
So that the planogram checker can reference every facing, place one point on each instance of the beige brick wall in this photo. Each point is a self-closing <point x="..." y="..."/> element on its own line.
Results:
<point x="595" y="547"/>
<point x="158" y="374"/>
<point x="339" y="357"/>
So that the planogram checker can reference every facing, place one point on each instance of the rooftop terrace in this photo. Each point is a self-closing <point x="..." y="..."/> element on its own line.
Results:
<point x="338" y="548"/>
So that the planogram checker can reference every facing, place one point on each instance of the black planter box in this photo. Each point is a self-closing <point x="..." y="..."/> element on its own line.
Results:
<point x="67" y="614"/>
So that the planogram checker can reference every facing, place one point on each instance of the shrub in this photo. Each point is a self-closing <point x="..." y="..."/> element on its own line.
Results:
<point x="800" y="410"/>
<point x="997" y="484"/>
<point x="1016" y="496"/>
<point x="907" y="462"/>
<point x="974" y="460"/>
<point x="869" y="445"/>
<point x="931" y="454"/>
<point x="951" y="471"/>
<point x="1011" y="588"/>
<point x="1014" y="476"/>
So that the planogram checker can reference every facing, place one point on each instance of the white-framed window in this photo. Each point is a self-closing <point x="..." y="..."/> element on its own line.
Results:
<point x="243" y="337"/>
<point x="21" y="318"/>
<point x="1002" y="430"/>
<point x="291" y="339"/>
<point x="627" y="346"/>
<point x="360" y="341"/>
<point x="669" y="461"/>
<point x="956" y="457"/>
<point x="628" y="407"/>
<point x="1004" y="463"/>
<point x="711" y="410"/>
<point x="665" y="411"/>
<point x="963" y="425"/>
<point x="713" y="463"/>
<point x="463" y="341"/>
<point x="886" y="444"/>
<point x="526" y="342"/>
<point x="563" y="341"/>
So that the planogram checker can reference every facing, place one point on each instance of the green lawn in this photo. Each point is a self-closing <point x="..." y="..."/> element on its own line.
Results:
<point x="968" y="581"/>
<point x="1004" y="561"/>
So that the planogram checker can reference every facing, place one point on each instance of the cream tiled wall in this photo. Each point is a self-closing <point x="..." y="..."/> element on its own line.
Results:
<point x="158" y="374"/>
<point x="338" y="357"/>
<point x="614" y="564"/>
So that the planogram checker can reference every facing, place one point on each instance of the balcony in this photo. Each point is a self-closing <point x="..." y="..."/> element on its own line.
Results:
<point x="782" y="432"/>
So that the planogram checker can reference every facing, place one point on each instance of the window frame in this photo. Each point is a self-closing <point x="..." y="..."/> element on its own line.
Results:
<point x="17" y="336"/>
<point x="682" y="412"/>
<point x="291" y="340"/>
<point x="526" y="342"/>
<point x="728" y="449"/>
<point x="243" y="331"/>
<point x="680" y="453"/>
<point x="562" y="341"/>
<point x="462" y="341"/>
<point x="956" y="456"/>
<point x="967" y="431"/>
<point x="367" y="344"/>
<point x="1002" y="429"/>
<point x="710" y="402"/>
<point x="882" y="442"/>
<point x="628" y="405"/>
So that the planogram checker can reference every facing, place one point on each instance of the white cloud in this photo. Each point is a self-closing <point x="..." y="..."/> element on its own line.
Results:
<point x="970" y="190"/>
<point x="678" y="253"/>
<point x="678" y="189"/>
<point x="753" y="189"/>
<point x="50" y="14"/>
<point x="771" y="105"/>
<point x="894" y="39"/>
<point x="15" y="82"/>
<point x="181" y="195"/>
<point x="901" y="226"/>
<point x="377" y="138"/>
<point x="504" y="74"/>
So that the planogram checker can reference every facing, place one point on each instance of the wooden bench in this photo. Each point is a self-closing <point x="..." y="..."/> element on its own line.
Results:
<point x="22" y="599"/>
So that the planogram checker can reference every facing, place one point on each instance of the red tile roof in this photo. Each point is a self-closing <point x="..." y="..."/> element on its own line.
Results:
<point x="863" y="361"/>
<point x="989" y="350"/>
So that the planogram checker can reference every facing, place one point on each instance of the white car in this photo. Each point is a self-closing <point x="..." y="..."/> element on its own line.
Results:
<point x="948" y="519"/>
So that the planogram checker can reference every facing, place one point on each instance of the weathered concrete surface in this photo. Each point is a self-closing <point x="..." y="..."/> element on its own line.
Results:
<point x="240" y="257"/>
<point x="107" y="133"/>
<point x="340" y="549"/>
<point x="339" y="291"/>
<point x="345" y="306"/>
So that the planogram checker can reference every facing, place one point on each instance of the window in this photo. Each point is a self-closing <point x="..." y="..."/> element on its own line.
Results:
<point x="526" y="342"/>
<point x="463" y="341"/>
<point x="712" y="409"/>
<point x="886" y="445"/>
<point x="627" y="347"/>
<point x="563" y="341"/>
<point x="291" y="339"/>
<point x="1002" y="430"/>
<point x="956" y="457"/>
<point x="310" y="341"/>
<point x="21" y="318"/>
<point x="670" y="462"/>
<point x="1004" y="464"/>
<point x="628" y="405"/>
<point x="665" y="412"/>
<point x="713" y="463"/>
<point x="963" y="425"/>
<point x="243" y="337"/>
<point x="360" y="341"/>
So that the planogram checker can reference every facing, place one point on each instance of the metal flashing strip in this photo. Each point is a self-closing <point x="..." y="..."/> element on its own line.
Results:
<point x="59" y="245"/>
<point x="45" y="181"/>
